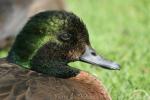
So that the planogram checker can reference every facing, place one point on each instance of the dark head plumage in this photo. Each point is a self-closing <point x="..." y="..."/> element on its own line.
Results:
<point x="52" y="39"/>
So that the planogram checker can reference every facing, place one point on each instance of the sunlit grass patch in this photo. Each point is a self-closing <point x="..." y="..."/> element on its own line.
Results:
<point x="120" y="31"/>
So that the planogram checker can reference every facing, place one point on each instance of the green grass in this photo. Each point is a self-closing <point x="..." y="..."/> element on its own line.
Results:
<point x="120" y="31"/>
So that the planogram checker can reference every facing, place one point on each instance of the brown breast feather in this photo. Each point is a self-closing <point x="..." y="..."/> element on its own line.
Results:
<point x="19" y="84"/>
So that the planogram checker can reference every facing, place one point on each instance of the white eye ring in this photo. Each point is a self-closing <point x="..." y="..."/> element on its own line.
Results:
<point x="65" y="37"/>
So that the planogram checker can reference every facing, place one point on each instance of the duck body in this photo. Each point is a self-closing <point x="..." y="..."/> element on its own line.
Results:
<point x="37" y="68"/>
<point x="20" y="84"/>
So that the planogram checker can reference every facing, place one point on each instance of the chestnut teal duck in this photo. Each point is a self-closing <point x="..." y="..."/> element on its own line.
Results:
<point x="37" y="66"/>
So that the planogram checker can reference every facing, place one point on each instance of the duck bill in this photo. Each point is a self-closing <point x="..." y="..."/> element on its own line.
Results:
<point x="91" y="57"/>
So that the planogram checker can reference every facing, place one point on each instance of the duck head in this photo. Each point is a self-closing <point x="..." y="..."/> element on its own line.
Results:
<point x="52" y="39"/>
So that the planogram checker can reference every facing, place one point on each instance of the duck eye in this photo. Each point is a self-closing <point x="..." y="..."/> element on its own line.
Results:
<point x="65" y="37"/>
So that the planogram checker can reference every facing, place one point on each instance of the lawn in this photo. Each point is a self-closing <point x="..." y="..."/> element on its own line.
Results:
<point x="119" y="30"/>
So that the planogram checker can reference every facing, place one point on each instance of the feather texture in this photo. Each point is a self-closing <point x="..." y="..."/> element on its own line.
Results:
<point x="20" y="84"/>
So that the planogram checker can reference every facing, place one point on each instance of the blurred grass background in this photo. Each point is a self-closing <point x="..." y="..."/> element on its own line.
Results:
<point x="119" y="30"/>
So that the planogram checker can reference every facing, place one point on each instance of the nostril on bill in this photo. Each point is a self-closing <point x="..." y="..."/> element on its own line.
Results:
<point x="93" y="53"/>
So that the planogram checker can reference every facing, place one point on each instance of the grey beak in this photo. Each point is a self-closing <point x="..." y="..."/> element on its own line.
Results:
<point x="91" y="57"/>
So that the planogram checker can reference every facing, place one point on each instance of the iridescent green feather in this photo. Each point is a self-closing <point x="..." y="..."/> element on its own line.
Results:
<point x="37" y="32"/>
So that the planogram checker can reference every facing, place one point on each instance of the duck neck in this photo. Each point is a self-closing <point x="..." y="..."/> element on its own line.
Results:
<point x="54" y="67"/>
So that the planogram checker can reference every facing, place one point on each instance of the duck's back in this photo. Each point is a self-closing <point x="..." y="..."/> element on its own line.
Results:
<point x="19" y="84"/>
